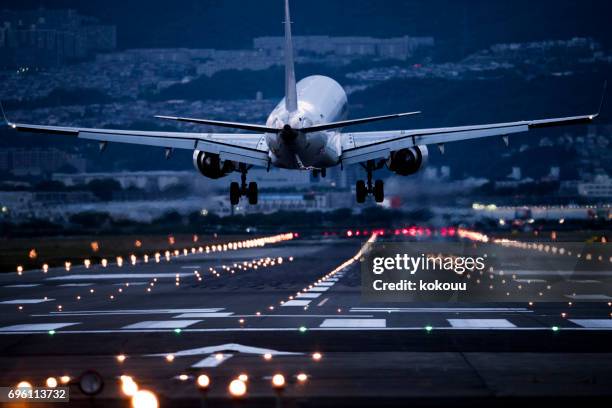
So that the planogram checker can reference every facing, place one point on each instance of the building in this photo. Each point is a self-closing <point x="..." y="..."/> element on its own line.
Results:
<point x="42" y="38"/>
<point x="400" y="48"/>
<point x="36" y="162"/>
<point x="600" y="187"/>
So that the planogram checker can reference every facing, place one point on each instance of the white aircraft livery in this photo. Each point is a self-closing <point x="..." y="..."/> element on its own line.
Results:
<point x="304" y="133"/>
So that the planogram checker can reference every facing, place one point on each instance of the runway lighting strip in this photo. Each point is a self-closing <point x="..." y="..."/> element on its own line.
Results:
<point x="533" y="246"/>
<point x="168" y="254"/>
<point x="329" y="275"/>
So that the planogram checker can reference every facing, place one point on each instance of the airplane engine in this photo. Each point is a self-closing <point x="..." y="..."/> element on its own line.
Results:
<point x="211" y="165"/>
<point x="407" y="161"/>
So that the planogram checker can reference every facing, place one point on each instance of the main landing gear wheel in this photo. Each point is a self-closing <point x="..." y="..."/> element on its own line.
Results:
<point x="252" y="193"/>
<point x="234" y="193"/>
<point x="361" y="191"/>
<point x="379" y="191"/>
<point x="238" y="190"/>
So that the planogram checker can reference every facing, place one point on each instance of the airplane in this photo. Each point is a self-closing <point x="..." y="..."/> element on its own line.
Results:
<point x="304" y="132"/>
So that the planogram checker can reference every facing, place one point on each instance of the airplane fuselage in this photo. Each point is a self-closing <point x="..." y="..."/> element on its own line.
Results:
<point x="320" y="100"/>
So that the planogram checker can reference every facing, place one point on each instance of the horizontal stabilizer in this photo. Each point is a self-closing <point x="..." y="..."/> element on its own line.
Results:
<point x="232" y="125"/>
<point x="352" y="122"/>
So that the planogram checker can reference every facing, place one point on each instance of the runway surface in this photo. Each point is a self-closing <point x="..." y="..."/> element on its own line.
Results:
<point x="269" y="310"/>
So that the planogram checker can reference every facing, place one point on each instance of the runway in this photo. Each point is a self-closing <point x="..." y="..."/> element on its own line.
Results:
<point x="269" y="310"/>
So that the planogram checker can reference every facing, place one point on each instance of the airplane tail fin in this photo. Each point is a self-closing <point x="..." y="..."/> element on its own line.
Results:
<point x="290" y="87"/>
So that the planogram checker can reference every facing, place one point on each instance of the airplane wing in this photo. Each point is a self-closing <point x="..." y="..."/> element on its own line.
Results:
<point x="359" y="147"/>
<point x="248" y="148"/>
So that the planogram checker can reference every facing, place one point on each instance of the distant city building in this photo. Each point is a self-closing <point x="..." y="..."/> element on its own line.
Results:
<point x="42" y="38"/>
<point x="600" y="187"/>
<point x="400" y="48"/>
<point x="36" y="162"/>
<point x="144" y="180"/>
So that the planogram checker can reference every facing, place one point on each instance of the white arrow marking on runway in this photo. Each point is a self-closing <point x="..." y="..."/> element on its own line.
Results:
<point x="227" y="347"/>
<point x="212" y="361"/>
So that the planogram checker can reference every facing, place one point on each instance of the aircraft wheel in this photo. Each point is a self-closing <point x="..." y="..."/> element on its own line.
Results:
<point x="234" y="193"/>
<point x="252" y="193"/>
<point x="360" y="191"/>
<point x="379" y="191"/>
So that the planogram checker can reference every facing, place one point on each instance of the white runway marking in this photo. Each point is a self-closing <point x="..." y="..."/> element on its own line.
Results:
<point x="76" y="284"/>
<point x="440" y="309"/>
<point x="105" y="276"/>
<point x="190" y="267"/>
<point x="321" y="303"/>
<point x="318" y="289"/>
<point x="481" y="323"/>
<point x="325" y="284"/>
<point x="222" y="348"/>
<point x="200" y="315"/>
<point x="25" y="301"/>
<point x="131" y="283"/>
<point x="308" y="295"/>
<point x="35" y="327"/>
<point x="531" y="280"/>
<point x="162" y="324"/>
<point x="297" y="303"/>
<point x="589" y="297"/>
<point x="23" y="285"/>
<point x="132" y="312"/>
<point x="593" y="323"/>
<point x="332" y="279"/>
<point x="342" y="323"/>
<point x="212" y="361"/>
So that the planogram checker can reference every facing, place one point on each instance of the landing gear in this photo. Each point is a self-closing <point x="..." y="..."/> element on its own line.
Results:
<point x="238" y="190"/>
<point x="319" y="172"/>
<point x="377" y="189"/>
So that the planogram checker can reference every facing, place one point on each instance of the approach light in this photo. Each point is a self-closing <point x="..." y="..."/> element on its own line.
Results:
<point x="278" y="381"/>
<point x="51" y="382"/>
<point x="203" y="381"/>
<point x="237" y="388"/>
<point x="144" y="399"/>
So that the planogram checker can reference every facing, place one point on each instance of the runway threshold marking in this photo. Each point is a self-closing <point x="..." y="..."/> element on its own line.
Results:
<point x="162" y="324"/>
<point x="200" y="315"/>
<point x="593" y="323"/>
<point x="308" y="295"/>
<point x="25" y="301"/>
<point x="318" y="289"/>
<point x="321" y="303"/>
<point x="23" y="285"/>
<point x="35" y="327"/>
<point x="296" y="302"/>
<point x="354" y="323"/>
<point x="325" y="284"/>
<point x="440" y="309"/>
<point x="481" y="323"/>
<point x="132" y="312"/>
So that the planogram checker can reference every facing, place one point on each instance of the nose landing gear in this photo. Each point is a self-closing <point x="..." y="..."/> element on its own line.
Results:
<point x="377" y="189"/>
<point x="238" y="190"/>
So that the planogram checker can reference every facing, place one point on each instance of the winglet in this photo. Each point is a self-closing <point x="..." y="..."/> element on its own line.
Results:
<point x="603" y="96"/>
<point x="4" y="115"/>
<point x="290" y="86"/>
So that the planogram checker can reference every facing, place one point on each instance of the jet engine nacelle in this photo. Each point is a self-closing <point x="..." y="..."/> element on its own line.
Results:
<point x="211" y="165"/>
<point x="407" y="161"/>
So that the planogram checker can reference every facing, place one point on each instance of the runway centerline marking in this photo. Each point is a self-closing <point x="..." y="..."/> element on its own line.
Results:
<point x="589" y="297"/>
<point x="354" y="323"/>
<point x="440" y="309"/>
<point x="25" y="301"/>
<point x="162" y="324"/>
<point x="35" y="327"/>
<point x="321" y="303"/>
<point x="23" y="285"/>
<point x="481" y="323"/>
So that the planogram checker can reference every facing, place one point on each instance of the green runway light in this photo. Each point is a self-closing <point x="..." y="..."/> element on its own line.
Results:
<point x="51" y="332"/>
<point x="177" y="331"/>
<point x="303" y="329"/>
<point x="555" y="328"/>
<point x="428" y="328"/>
